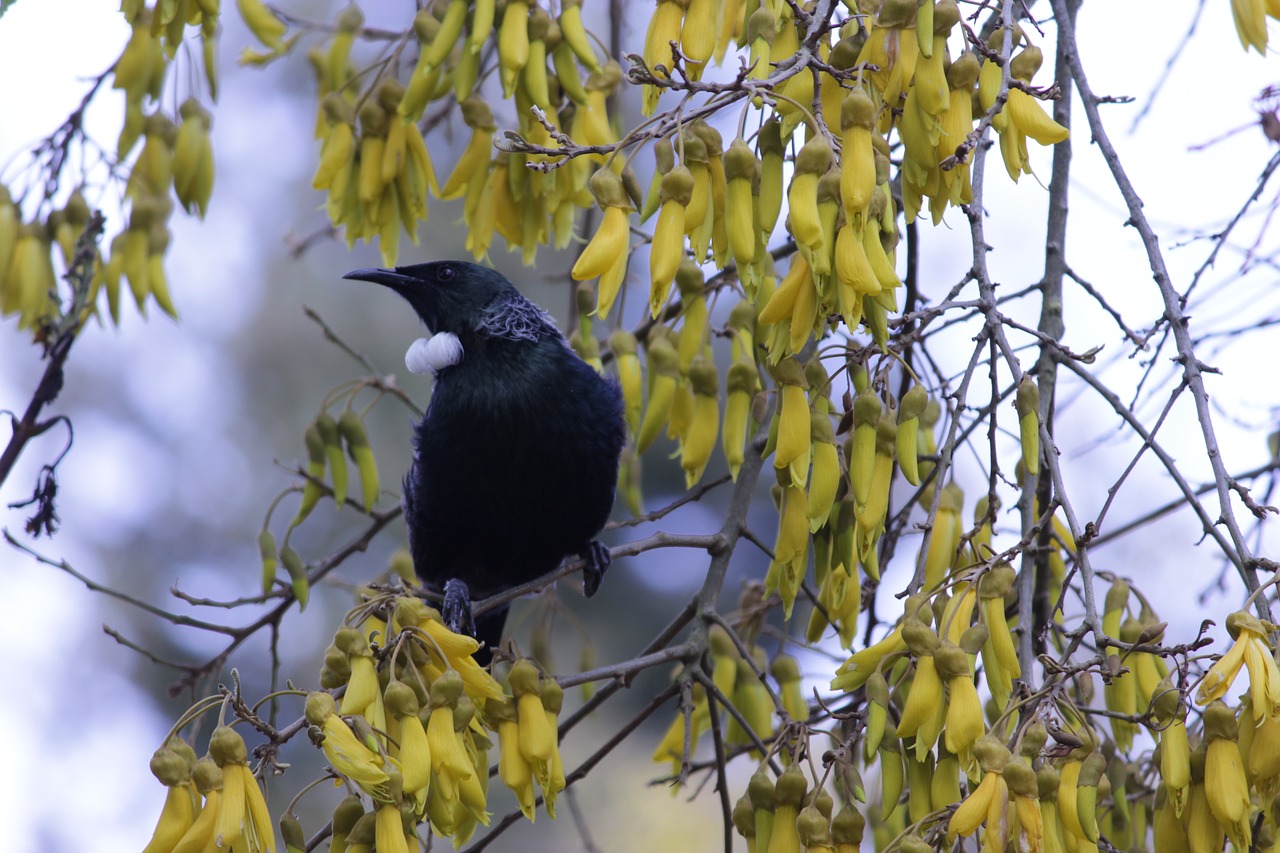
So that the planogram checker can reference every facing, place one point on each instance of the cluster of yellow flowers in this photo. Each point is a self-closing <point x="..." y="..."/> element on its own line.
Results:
<point x="375" y="166"/>
<point x="213" y="803"/>
<point x="410" y="736"/>
<point x="176" y="160"/>
<point x="787" y="815"/>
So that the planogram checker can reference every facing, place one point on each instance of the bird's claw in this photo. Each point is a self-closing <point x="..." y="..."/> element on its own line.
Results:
<point x="598" y="559"/>
<point x="456" y="609"/>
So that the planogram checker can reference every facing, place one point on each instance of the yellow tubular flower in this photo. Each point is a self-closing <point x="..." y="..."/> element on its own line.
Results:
<point x="700" y="438"/>
<point x="781" y="304"/>
<point x="825" y="480"/>
<point x="944" y="537"/>
<point x="610" y="240"/>
<point x="794" y="423"/>
<point x="345" y="752"/>
<point x="741" y="384"/>
<point x="788" y="795"/>
<point x="179" y="811"/>
<point x="923" y="697"/>
<point x="857" y="159"/>
<point x="513" y="44"/>
<point x="812" y="162"/>
<point x="769" y="201"/>
<point x="474" y="160"/>
<point x="536" y="741"/>
<point x="243" y="820"/>
<point x="575" y="34"/>
<point x="664" y="371"/>
<point x="1225" y="784"/>
<point x="871" y="515"/>
<point x="956" y="124"/>
<point x="481" y="25"/>
<point x="389" y="830"/>
<point x="698" y="35"/>
<point x="854" y="672"/>
<point x="1250" y="18"/>
<point x="866" y="419"/>
<point x="624" y="346"/>
<point x="262" y="22"/>
<point x="992" y="589"/>
<point x="667" y="248"/>
<point x="964" y="708"/>
<point x="414" y="752"/>
<point x="694" y="315"/>
<point x="741" y="174"/>
<point x="1249" y="649"/>
<point x="551" y="773"/>
<point x="448" y="757"/>
<point x="990" y="797"/>
<point x="791" y="548"/>
<point x="664" y="28"/>
<point x="1175" y="763"/>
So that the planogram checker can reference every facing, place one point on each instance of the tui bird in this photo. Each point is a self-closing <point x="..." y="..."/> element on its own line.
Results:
<point x="516" y="460"/>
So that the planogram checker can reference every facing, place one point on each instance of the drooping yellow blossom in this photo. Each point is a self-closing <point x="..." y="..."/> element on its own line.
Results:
<point x="345" y="752"/>
<point x="243" y="820"/>
<point x="172" y="768"/>
<point x="1251" y="650"/>
<point x="988" y="803"/>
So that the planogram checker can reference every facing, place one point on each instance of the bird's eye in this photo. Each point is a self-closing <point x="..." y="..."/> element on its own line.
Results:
<point x="446" y="273"/>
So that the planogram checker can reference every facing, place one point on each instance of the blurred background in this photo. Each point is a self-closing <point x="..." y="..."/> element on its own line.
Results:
<point x="184" y="430"/>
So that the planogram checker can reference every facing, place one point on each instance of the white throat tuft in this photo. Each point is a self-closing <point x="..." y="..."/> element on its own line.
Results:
<point x="433" y="354"/>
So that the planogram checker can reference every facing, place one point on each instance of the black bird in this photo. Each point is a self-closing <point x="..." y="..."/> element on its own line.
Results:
<point x="516" y="459"/>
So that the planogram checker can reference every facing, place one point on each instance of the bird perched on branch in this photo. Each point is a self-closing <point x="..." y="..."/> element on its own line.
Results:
<point x="516" y="459"/>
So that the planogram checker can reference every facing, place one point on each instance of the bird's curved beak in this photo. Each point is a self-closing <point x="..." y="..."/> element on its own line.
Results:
<point x="390" y="278"/>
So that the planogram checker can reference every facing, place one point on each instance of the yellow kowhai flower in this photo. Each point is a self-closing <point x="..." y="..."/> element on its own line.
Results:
<point x="474" y="159"/>
<point x="243" y="823"/>
<point x="700" y="437"/>
<point x="964" y="708"/>
<point x="550" y="773"/>
<point x="513" y="768"/>
<point x="793" y="444"/>
<point x="791" y="549"/>
<point x="207" y="777"/>
<point x="667" y="248"/>
<point x="537" y="740"/>
<point x="988" y="803"/>
<point x="741" y="171"/>
<point x="1225" y="784"/>
<point x="389" y="830"/>
<point x="857" y="158"/>
<point x="448" y="756"/>
<point x="1250" y="18"/>
<point x="1251" y="650"/>
<point x="664" y="373"/>
<point x="741" y="384"/>
<point x="171" y="767"/>
<point x="345" y="752"/>
<point x="812" y="161"/>
<point x="607" y="251"/>
<point x="1260" y="748"/>
<point x="854" y="672"/>
<point x="414" y="750"/>
<point x="788" y="797"/>
<point x="923" y="697"/>
<point x="825" y="479"/>
<point x="623" y="345"/>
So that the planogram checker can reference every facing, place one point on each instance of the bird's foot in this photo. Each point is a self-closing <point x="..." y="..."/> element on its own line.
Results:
<point x="598" y="559"/>
<point x="456" y="609"/>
